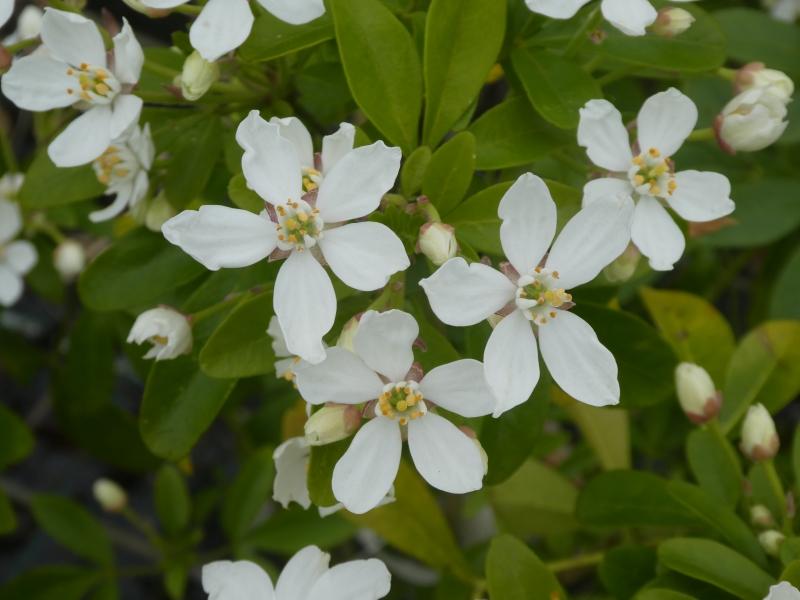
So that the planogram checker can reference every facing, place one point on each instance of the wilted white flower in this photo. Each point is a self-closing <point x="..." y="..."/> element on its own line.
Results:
<point x="18" y="257"/>
<point x="198" y="76"/>
<point x="109" y="495"/>
<point x="771" y="541"/>
<point x="309" y="205"/>
<point x="697" y="394"/>
<point x="76" y="71"/>
<point x="380" y="372"/>
<point x="307" y="576"/>
<point x="752" y="121"/>
<point x="331" y="424"/>
<point x="672" y="21"/>
<point x="757" y="75"/>
<point x="532" y="296"/>
<point x="759" y="438"/>
<point x="783" y="591"/>
<point x="664" y="122"/>
<point x="69" y="259"/>
<point x="168" y="330"/>
<point x="29" y="23"/>
<point x="437" y="241"/>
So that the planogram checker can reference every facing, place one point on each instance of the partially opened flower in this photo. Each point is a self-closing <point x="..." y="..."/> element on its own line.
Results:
<point x="648" y="173"/>
<point x="532" y="295"/>
<point x="380" y="372"/>
<point x="307" y="576"/>
<point x="166" y="329"/>
<point x="77" y="71"/>
<point x="783" y="591"/>
<point x="224" y="25"/>
<point x="306" y="221"/>
<point x="18" y="257"/>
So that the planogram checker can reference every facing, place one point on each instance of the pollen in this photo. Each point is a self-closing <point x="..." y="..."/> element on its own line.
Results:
<point x="402" y="402"/>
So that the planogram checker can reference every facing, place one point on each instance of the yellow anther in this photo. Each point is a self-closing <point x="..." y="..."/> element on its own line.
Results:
<point x="292" y="238"/>
<point x="654" y="189"/>
<point x="553" y="314"/>
<point x="639" y="161"/>
<point x="84" y="66"/>
<point x="403" y="421"/>
<point x="291" y="224"/>
<point x="302" y="216"/>
<point x="638" y="180"/>
<point x="654" y="152"/>
<point x="416" y="414"/>
<point x="281" y="210"/>
<point x="402" y="406"/>
<point x="70" y="72"/>
<point x="102" y="89"/>
<point x="672" y="186"/>
<point x="555" y="275"/>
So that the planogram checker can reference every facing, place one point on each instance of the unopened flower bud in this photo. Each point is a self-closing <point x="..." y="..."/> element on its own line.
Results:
<point x="139" y="6"/>
<point x="29" y="23"/>
<point x="623" y="268"/>
<point x="109" y="495"/>
<point x="757" y="75"/>
<point x="158" y="212"/>
<point x="348" y="334"/>
<point x="751" y="121"/>
<point x="69" y="258"/>
<point x="672" y="21"/>
<point x="331" y="424"/>
<point x="198" y="76"/>
<point x="759" y="438"/>
<point x="771" y="541"/>
<point x="168" y="330"/>
<point x="437" y="241"/>
<point x="697" y="395"/>
<point x="760" y="516"/>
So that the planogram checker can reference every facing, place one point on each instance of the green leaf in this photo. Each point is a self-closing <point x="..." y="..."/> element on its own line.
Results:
<point x="557" y="87"/>
<point x="47" y="185"/>
<point x="382" y="67"/>
<point x="135" y="271"/>
<point x="786" y="290"/>
<point x="625" y="569"/>
<point x="449" y="174"/>
<point x="792" y="573"/>
<point x="272" y="38"/>
<point x="73" y="527"/>
<point x="248" y="494"/>
<point x="287" y="531"/>
<point x="60" y="582"/>
<point x="796" y="459"/>
<point x="606" y="430"/>
<point x="662" y="594"/>
<point x="8" y="520"/>
<point x="514" y="572"/>
<point x="462" y="40"/>
<point x="320" y="471"/>
<point x="695" y="329"/>
<point x="716" y="564"/>
<point x="180" y="402"/>
<point x="16" y="440"/>
<point x="242" y="196"/>
<point x="715" y="465"/>
<point x="173" y="503"/>
<point x="413" y="171"/>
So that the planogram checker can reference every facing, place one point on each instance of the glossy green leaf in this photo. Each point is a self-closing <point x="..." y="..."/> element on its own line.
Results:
<point x="627" y="568"/>
<point x="287" y="531"/>
<point x="248" y="494"/>
<point x="514" y="572"/>
<point x="272" y="38"/>
<point x="715" y="465"/>
<point x="172" y="500"/>
<point x="47" y="185"/>
<point x="16" y="440"/>
<point x="606" y="430"/>
<point x="449" y="173"/>
<point x="321" y="463"/>
<point x="786" y="290"/>
<point x="242" y="196"/>
<point x="413" y="171"/>
<point x="60" y="582"/>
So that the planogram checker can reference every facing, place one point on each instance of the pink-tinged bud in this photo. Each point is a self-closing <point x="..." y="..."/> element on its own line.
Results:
<point x="760" y="516"/>
<point x="759" y="438"/>
<point x="751" y="121"/>
<point x="332" y="423"/>
<point x="348" y="334"/>
<point x="697" y="394"/>
<point x="109" y="495"/>
<point x="672" y="21"/>
<point x="69" y="259"/>
<point x="771" y="541"/>
<point x="437" y="241"/>
<point x="757" y="75"/>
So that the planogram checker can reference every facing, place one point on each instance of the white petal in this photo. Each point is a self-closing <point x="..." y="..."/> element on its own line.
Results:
<point x="444" y="455"/>
<point x="556" y="9"/>
<point x="528" y="216"/>
<point x="591" y="239"/>
<point x="305" y="303"/>
<point x="270" y="162"/>
<point x="291" y="466"/>
<point x="605" y="138"/>
<point x="354" y="580"/>
<point x="124" y="194"/>
<point x="221" y="237"/>
<point x="126" y="110"/>
<point x="701" y="196"/>
<point x="605" y="187"/>
<point x="577" y="361"/>
<point x="631" y="17"/>
<point x="241" y="580"/>
<point x="365" y="473"/>
<point x="364" y="255"/>
<point x="6" y="10"/>
<point x="83" y="140"/>
<point x="38" y="83"/>
<point x="460" y="387"/>
<point x="295" y="12"/>
<point x="128" y="55"/>
<point x="665" y="121"/>
<point x="342" y="378"/>
<point x="10" y="220"/>
<point x="355" y="186"/>
<point x="337" y="145"/>
<point x="278" y="339"/>
<point x="72" y="38"/>
<point x="141" y="143"/>
<point x="20" y="256"/>
<point x="462" y="294"/>
<point x="511" y="362"/>
<point x="656" y="235"/>
<point x="384" y="340"/>
<point x="222" y="26"/>
<point x="163" y="3"/>
<point x="783" y="590"/>
<point x="301" y="573"/>
<point x="293" y="130"/>
<point x="11" y="286"/>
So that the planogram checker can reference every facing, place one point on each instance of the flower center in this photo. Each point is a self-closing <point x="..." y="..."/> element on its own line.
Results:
<point x="402" y="401"/>
<point x="311" y="179"/>
<point x="299" y="226"/>
<point x="116" y="164"/>
<point x="95" y="85"/>
<point x="652" y="174"/>
<point x="538" y="295"/>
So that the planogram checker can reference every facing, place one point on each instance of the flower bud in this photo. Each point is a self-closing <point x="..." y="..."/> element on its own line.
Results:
<point x="760" y="516"/>
<point x="759" y="439"/>
<point x="751" y="121"/>
<point x="348" y="334"/>
<point x="29" y="23"/>
<point x="198" y="76"/>
<point x="167" y="329"/>
<point x="139" y="6"/>
<point x="437" y="241"/>
<point x="697" y="395"/>
<point x="771" y="541"/>
<point x="672" y="21"/>
<point x="756" y="75"/>
<point x="69" y="258"/>
<point x="158" y="212"/>
<point x="109" y="495"/>
<point x="331" y="424"/>
<point x="623" y="268"/>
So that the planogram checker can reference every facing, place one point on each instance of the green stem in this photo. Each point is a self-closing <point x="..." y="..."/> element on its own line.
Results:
<point x="714" y="429"/>
<point x="702" y="135"/>
<point x="9" y="158"/>
<point x="21" y="45"/>
<point x="578" y="562"/>
<point x="777" y="489"/>
<point x="188" y="9"/>
<point x="580" y="37"/>
<point x="158" y="69"/>
<point x="142" y="525"/>
<point x="727" y="74"/>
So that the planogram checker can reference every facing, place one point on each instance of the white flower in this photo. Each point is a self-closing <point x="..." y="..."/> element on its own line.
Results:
<point x="306" y="576"/>
<point x="697" y="394"/>
<point x="168" y="330"/>
<point x="532" y="295"/>
<point x="759" y="438"/>
<point x="29" y="23"/>
<point x="631" y="17"/>
<point x="783" y="591"/>
<point x="123" y="168"/>
<point x="69" y="259"/>
<point x="109" y="495"/>
<point x="17" y="258"/>
<point x="784" y="10"/>
<point x="757" y="75"/>
<point x="664" y="122"/>
<point x="6" y="10"/>
<point x="380" y="370"/>
<point x="437" y="241"/>
<point x="308" y="210"/>
<point x="198" y="76"/>
<point x="753" y="120"/>
<point x="672" y="21"/>
<point x="224" y="25"/>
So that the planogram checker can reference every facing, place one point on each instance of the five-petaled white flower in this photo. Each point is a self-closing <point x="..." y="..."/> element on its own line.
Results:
<point x="168" y="330"/>
<point x="76" y="71"/>
<point x="631" y="17"/>
<point x="532" y="295"/>
<point x="381" y="370"/>
<point x="123" y="168"/>
<point x="224" y="25"/>
<point x="306" y="576"/>
<point x="663" y="124"/>
<point x="783" y="591"/>
<point x="306" y="219"/>
<point x="17" y="258"/>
